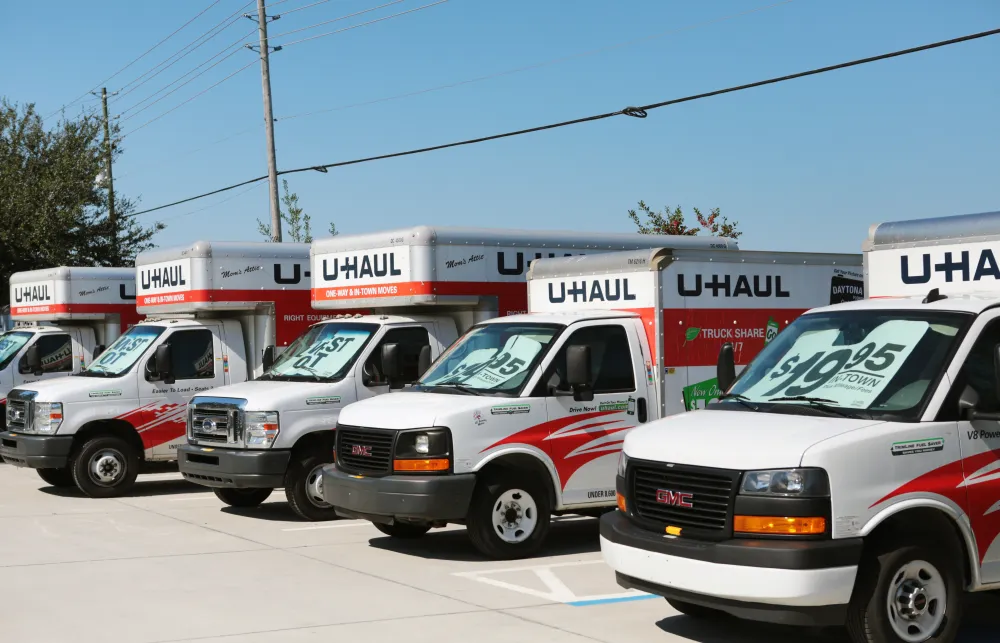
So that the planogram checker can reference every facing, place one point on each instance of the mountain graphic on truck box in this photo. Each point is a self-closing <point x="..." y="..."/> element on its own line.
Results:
<point x="454" y="265"/>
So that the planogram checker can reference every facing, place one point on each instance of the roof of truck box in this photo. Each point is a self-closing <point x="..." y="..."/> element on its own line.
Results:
<point x="222" y="249"/>
<point x="67" y="273"/>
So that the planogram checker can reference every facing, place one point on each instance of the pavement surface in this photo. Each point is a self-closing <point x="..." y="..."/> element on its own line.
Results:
<point x="172" y="563"/>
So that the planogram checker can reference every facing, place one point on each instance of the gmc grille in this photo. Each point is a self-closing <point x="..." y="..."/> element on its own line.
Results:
<point x="362" y="450"/>
<point x="17" y="414"/>
<point x="682" y="496"/>
<point x="216" y="421"/>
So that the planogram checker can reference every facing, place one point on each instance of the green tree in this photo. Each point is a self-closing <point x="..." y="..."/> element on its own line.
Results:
<point x="53" y="209"/>
<point x="672" y="222"/>
<point x="298" y="224"/>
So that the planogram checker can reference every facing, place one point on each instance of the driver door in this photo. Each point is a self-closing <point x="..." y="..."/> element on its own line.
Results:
<point x="371" y="379"/>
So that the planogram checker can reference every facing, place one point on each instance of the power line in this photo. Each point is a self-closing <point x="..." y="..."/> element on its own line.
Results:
<point x="352" y="15"/>
<point x="285" y="13"/>
<point x="163" y="161"/>
<point x="539" y="65"/>
<point x="216" y="204"/>
<point x="178" y="106"/>
<point x="637" y="112"/>
<point x="137" y="59"/>
<point x="363" y="24"/>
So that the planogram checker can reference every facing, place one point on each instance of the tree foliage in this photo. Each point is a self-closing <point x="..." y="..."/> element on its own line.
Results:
<point x="297" y="224"/>
<point x="53" y="211"/>
<point x="672" y="222"/>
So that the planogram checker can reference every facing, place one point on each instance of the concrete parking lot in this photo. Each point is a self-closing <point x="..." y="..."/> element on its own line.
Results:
<point x="171" y="563"/>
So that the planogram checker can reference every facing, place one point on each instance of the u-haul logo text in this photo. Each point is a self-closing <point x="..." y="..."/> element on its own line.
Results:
<point x="730" y="286"/>
<point x="954" y="268"/>
<point x="37" y="293"/>
<point x="588" y="290"/>
<point x="360" y="266"/>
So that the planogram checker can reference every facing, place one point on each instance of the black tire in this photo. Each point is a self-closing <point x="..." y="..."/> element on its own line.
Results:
<point x="304" y="486"/>
<point x="243" y="498"/>
<point x="57" y="477"/>
<point x="493" y="494"/>
<point x="869" y="619"/>
<point x="105" y="467"/>
<point x="403" y="530"/>
<point x="693" y="610"/>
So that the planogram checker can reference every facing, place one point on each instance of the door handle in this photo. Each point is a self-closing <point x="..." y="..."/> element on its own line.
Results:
<point x="641" y="413"/>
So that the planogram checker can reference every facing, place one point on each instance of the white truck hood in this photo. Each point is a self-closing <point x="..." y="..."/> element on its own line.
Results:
<point x="286" y="396"/>
<point x="413" y="410"/>
<point x="734" y="439"/>
<point x="82" y="389"/>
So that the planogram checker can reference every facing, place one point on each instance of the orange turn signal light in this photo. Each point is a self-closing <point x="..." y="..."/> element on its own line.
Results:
<point x="622" y="505"/>
<point x="435" y="464"/>
<point x="777" y="525"/>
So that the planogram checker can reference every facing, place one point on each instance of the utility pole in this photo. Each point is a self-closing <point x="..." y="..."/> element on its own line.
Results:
<point x="265" y="79"/>
<point x="109" y="152"/>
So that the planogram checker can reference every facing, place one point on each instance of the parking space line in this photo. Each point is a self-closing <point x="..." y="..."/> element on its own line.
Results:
<point x="615" y="598"/>
<point x="340" y="525"/>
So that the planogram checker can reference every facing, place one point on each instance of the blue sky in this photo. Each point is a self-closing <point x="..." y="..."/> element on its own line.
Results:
<point x="806" y="165"/>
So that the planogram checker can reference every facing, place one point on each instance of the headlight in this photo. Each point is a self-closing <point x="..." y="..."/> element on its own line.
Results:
<point x="262" y="429"/>
<point x="423" y="450"/>
<point x="622" y="463"/>
<point x="48" y="417"/>
<point x="786" y="482"/>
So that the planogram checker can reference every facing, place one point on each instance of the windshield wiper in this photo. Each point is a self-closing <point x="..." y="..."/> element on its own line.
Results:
<point x="742" y="399"/>
<point x="458" y="387"/>
<point x="92" y="372"/>
<point x="817" y="402"/>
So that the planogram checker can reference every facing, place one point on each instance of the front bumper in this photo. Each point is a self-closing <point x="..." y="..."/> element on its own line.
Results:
<point x="238" y="468"/>
<point x="36" y="451"/>
<point x="411" y="498"/>
<point x="779" y="581"/>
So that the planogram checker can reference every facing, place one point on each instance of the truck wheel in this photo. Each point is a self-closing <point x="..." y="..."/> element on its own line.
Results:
<point x="907" y="594"/>
<point x="57" y="477"/>
<point x="105" y="467"/>
<point x="242" y="497"/>
<point x="693" y="610"/>
<point x="304" y="488"/>
<point x="509" y="518"/>
<point x="403" y="530"/>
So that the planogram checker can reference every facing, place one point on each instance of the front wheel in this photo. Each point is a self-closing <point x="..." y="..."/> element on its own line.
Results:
<point x="57" y="477"/>
<point x="105" y="467"/>
<point x="509" y="517"/>
<point x="907" y="594"/>
<point x="243" y="498"/>
<point x="304" y="487"/>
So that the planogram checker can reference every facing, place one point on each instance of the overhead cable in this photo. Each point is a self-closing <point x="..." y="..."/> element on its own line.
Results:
<point x="363" y="24"/>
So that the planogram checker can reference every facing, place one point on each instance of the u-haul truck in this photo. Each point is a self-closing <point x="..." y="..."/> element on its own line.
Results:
<point x="524" y="416"/>
<point x="215" y="312"/>
<point x="850" y="474"/>
<point x="63" y="318"/>
<point x="424" y="286"/>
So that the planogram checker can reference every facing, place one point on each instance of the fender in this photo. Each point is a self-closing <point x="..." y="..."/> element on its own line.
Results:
<point x="951" y="510"/>
<point x="534" y="452"/>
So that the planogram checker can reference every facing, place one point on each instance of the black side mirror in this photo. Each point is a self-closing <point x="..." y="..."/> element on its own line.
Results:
<point x="967" y="403"/>
<point x="996" y="369"/>
<point x="424" y="359"/>
<point x="580" y="372"/>
<point x="268" y="358"/>
<point x="98" y="350"/>
<point x="164" y="360"/>
<point x="391" y="366"/>
<point x="31" y="362"/>
<point x="725" y="369"/>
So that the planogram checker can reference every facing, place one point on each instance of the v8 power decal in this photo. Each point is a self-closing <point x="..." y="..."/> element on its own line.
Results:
<point x="693" y="337"/>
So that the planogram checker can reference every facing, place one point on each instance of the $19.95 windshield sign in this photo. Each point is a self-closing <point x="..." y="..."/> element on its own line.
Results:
<point x="852" y="375"/>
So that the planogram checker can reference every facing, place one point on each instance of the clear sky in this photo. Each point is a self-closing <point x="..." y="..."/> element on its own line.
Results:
<point x="806" y="165"/>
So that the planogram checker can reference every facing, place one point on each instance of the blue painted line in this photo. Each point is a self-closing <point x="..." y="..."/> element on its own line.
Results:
<point x="620" y="599"/>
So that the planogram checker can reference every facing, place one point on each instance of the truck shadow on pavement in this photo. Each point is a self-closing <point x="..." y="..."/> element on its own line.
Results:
<point x="277" y="511"/>
<point x="567" y="536"/>
<point x="982" y="616"/>
<point x="142" y="489"/>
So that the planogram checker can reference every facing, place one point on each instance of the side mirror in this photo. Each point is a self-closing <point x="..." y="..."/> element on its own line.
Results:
<point x="100" y="348"/>
<point x="725" y="369"/>
<point x="996" y="369"/>
<point x="164" y="360"/>
<point x="967" y="410"/>
<point x="424" y="359"/>
<point x="31" y="362"/>
<point x="268" y="358"/>
<point x="391" y="366"/>
<point x="579" y="372"/>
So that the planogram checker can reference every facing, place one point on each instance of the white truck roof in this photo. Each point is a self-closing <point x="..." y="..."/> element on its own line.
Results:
<point x="220" y="275"/>
<point x="958" y="255"/>
<point x="72" y="294"/>
<point x="426" y="265"/>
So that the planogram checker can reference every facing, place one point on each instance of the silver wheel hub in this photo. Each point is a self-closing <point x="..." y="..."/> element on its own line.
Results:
<point x="314" y="487"/>
<point x="515" y="516"/>
<point x="107" y="467"/>
<point x="916" y="601"/>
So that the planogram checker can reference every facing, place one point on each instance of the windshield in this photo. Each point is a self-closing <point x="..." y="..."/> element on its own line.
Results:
<point x="10" y="343"/>
<point x="325" y="352"/>
<point x="859" y="363"/>
<point x="493" y="359"/>
<point x="124" y="352"/>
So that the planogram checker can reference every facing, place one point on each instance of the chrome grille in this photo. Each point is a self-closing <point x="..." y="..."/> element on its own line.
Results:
<point x="681" y="496"/>
<point x="216" y="421"/>
<point x="20" y="407"/>
<point x="362" y="450"/>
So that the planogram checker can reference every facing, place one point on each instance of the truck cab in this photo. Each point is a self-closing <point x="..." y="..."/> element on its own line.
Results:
<point x="848" y="475"/>
<point x="214" y="311"/>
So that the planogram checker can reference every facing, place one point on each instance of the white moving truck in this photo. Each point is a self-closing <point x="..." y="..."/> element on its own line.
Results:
<point x="220" y="309"/>
<point x="850" y="476"/>
<point x="424" y="286"/>
<point x="63" y="318"/>
<point x="524" y="416"/>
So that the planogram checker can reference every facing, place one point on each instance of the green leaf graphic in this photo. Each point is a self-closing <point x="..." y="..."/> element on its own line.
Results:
<point x="691" y="334"/>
